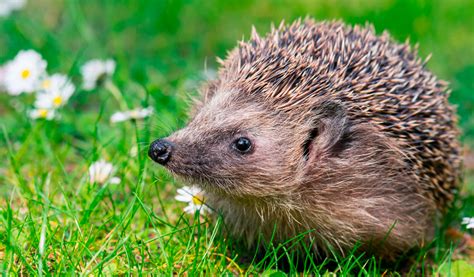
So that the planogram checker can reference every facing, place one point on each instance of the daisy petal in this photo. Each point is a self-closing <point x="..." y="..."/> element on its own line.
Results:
<point x="115" y="180"/>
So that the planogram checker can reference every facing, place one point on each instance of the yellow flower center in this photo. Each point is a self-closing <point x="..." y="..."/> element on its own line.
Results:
<point x="46" y="84"/>
<point x="25" y="73"/>
<point x="197" y="200"/>
<point x="42" y="113"/>
<point x="57" y="101"/>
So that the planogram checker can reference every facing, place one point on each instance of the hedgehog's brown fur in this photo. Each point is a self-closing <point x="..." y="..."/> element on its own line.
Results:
<point x="354" y="139"/>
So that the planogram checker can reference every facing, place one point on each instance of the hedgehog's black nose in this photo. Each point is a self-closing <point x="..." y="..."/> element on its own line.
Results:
<point x="160" y="151"/>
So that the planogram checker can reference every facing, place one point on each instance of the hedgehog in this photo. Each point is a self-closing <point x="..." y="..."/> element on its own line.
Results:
<point x="326" y="130"/>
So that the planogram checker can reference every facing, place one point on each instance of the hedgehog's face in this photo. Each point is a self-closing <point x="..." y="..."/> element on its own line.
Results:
<point x="231" y="145"/>
<point x="239" y="147"/>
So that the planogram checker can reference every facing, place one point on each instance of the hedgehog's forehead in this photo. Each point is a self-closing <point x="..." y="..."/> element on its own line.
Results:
<point x="228" y="106"/>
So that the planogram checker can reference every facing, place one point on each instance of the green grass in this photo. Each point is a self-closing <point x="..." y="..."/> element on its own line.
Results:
<point x="52" y="220"/>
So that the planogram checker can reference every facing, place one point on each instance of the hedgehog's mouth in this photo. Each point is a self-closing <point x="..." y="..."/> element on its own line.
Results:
<point x="191" y="170"/>
<point x="190" y="175"/>
<point x="185" y="170"/>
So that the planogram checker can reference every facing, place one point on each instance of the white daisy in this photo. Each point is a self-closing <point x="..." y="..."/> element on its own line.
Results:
<point x="95" y="71"/>
<point x="48" y="114"/>
<point x="131" y="114"/>
<point x="469" y="222"/>
<point x="22" y="74"/>
<point x="8" y="6"/>
<point x="101" y="172"/>
<point x="195" y="199"/>
<point x="55" y="91"/>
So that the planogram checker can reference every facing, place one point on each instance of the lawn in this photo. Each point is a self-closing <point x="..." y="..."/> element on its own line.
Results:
<point x="55" y="220"/>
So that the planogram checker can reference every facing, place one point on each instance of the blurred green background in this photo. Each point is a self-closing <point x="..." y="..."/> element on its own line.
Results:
<point x="170" y="40"/>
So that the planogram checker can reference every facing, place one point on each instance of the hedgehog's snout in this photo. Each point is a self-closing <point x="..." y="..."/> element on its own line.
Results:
<point x="160" y="151"/>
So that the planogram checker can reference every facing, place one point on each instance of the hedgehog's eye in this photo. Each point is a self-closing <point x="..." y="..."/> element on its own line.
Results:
<point x="242" y="145"/>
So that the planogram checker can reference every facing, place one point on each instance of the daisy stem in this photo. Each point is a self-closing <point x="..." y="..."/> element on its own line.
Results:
<point x="117" y="94"/>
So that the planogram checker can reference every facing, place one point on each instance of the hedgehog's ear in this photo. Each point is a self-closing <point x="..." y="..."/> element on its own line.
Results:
<point x="329" y="127"/>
